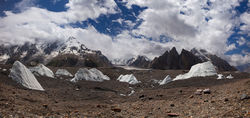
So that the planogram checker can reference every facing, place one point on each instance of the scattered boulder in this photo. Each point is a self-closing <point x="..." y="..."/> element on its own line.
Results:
<point x="116" y="109"/>
<point x="207" y="91"/>
<point x="42" y="70"/>
<point x="89" y="75"/>
<point x="173" y="114"/>
<point x="129" y="78"/>
<point x="230" y="77"/>
<point x="198" y="92"/>
<point x="199" y="70"/>
<point x="166" y="80"/>
<point x="141" y="96"/>
<point x="63" y="72"/>
<point x="131" y="93"/>
<point x="23" y="75"/>
<point x="4" y="70"/>
<point x="244" y="96"/>
<point x="226" y="99"/>
<point x="172" y="105"/>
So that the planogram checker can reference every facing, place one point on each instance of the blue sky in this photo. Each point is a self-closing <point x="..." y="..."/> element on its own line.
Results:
<point x="221" y="27"/>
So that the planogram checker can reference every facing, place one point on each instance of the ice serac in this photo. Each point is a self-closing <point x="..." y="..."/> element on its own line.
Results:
<point x="129" y="78"/>
<point x="63" y="72"/>
<point x="23" y="76"/>
<point x="89" y="75"/>
<point x="166" y="80"/>
<point x="220" y="76"/>
<point x="42" y="70"/>
<point x="99" y="74"/>
<point x="199" y="70"/>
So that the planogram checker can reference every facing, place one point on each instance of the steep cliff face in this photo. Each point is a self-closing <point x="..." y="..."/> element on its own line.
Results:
<point x="187" y="60"/>
<point x="172" y="60"/>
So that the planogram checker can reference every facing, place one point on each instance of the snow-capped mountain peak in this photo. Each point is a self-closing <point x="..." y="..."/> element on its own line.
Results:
<point x="44" y="51"/>
<point x="201" y="54"/>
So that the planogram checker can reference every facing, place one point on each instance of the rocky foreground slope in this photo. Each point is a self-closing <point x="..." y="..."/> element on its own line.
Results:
<point x="62" y="98"/>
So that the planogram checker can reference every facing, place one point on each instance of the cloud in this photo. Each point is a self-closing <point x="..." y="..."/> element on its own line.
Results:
<point x="193" y="23"/>
<point x="80" y="10"/>
<point x="37" y="23"/>
<point x="245" y="28"/>
<point x="189" y="23"/>
<point x="241" y="41"/>
<point x="237" y="59"/>
<point x="24" y="4"/>
<point x="231" y="47"/>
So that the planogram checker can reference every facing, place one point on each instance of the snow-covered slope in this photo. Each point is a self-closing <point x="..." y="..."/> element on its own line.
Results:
<point x="22" y="75"/>
<point x="136" y="61"/>
<point x="42" y="70"/>
<point x="63" y="72"/>
<point x="44" y="52"/>
<point x="199" y="70"/>
<point x="89" y="75"/>
<point x="166" y="80"/>
<point x="129" y="78"/>
<point x="123" y="62"/>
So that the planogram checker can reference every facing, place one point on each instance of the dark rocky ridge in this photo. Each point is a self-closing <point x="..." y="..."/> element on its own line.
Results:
<point x="172" y="60"/>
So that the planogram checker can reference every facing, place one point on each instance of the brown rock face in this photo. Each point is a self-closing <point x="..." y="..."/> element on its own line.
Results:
<point x="69" y="60"/>
<point x="187" y="59"/>
<point x="172" y="60"/>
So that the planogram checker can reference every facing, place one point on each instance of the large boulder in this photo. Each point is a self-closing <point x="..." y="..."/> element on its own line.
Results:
<point x="23" y="76"/>
<point x="42" y="70"/>
<point x="199" y="70"/>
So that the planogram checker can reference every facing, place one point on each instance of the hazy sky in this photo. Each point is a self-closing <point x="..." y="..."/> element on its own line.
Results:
<point x="125" y="28"/>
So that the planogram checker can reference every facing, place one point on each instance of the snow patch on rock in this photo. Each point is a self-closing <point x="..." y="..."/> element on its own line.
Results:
<point x="23" y="76"/>
<point x="199" y="70"/>
<point x="166" y="80"/>
<point x="42" y="70"/>
<point x="89" y="75"/>
<point x="230" y="77"/>
<point x="63" y="72"/>
<point x="220" y="76"/>
<point x="129" y="78"/>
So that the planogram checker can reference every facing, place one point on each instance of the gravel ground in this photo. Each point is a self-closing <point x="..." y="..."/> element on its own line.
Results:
<point x="94" y="99"/>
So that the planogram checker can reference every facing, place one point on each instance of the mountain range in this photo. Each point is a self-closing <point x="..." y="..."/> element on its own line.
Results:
<point x="72" y="52"/>
<point x="58" y="53"/>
